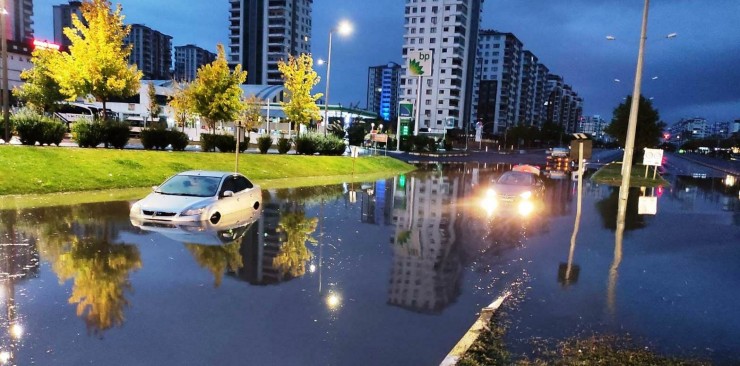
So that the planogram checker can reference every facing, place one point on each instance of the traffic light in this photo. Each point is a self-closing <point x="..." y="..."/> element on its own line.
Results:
<point x="402" y="181"/>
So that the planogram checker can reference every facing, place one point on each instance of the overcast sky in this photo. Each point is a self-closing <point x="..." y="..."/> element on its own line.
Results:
<point x="698" y="72"/>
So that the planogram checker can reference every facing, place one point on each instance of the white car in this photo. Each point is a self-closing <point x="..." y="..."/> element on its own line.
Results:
<point x="229" y="229"/>
<point x="198" y="195"/>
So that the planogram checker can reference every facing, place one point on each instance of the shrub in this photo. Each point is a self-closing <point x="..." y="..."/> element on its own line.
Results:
<point x="331" y="145"/>
<point x="178" y="139"/>
<point x="432" y="144"/>
<point x="154" y="138"/>
<point x="87" y="133"/>
<point x="52" y="131"/>
<point x="264" y="143"/>
<point x="116" y="133"/>
<point x="28" y="129"/>
<point x="226" y="143"/>
<point x="307" y="144"/>
<point x="448" y="144"/>
<point x="208" y="142"/>
<point x="283" y="145"/>
<point x="33" y="127"/>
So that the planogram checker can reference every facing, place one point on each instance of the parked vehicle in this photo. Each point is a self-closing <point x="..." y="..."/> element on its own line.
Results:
<point x="199" y="195"/>
<point x="229" y="229"/>
<point x="71" y="112"/>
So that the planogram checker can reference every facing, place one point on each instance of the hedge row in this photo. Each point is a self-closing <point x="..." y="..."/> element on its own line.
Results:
<point x="159" y="139"/>
<point x="89" y="133"/>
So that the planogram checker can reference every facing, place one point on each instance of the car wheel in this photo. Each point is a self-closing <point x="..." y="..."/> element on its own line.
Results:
<point x="256" y="205"/>
<point x="215" y="218"/>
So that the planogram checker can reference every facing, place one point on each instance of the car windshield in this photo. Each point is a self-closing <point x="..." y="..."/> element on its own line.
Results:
<point x="190" y="185"/>
<point x="516" y="179"/>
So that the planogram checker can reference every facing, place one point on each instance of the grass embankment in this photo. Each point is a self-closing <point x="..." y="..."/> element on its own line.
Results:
<point x="40" y="170"/>
<point x="611" y="174"/>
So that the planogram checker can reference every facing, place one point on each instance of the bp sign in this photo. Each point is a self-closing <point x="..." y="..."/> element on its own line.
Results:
<point x="419" y="63"/>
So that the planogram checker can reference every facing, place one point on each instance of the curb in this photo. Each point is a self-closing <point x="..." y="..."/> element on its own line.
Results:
<point x="480" y="326"/>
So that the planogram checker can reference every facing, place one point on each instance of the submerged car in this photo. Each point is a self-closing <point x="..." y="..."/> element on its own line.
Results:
<point x="521" y="189"/>
<point x="198" y="195"/>
<point x="229" y="229"/>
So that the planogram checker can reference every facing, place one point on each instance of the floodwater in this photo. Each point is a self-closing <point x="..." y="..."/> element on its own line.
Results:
<point x="391" y="272"/>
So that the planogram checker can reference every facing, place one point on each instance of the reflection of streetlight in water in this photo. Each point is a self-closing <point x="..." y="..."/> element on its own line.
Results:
<point x="333" y="301"/>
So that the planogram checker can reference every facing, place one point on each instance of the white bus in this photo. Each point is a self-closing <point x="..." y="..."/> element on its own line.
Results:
<point x="70" y="113"/>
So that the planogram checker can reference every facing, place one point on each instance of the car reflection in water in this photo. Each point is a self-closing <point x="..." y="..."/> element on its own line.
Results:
<point x="518" y="191"/>
<point x="227" y="230"/>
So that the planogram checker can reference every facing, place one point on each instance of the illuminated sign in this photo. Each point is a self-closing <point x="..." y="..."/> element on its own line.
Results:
<point x="45" y="45"/>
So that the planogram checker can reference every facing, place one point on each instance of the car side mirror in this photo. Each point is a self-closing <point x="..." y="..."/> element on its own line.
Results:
<point x="228" y="194"/>
<point x="154" y="188"/>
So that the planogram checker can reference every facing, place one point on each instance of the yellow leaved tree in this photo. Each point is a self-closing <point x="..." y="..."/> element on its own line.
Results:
<point x="97" y="62"/>
<point x="299" y="79"/>
<point x="216" y="94"/>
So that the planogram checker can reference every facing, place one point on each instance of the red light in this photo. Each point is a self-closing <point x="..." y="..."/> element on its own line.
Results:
<point x="46" y="45"/>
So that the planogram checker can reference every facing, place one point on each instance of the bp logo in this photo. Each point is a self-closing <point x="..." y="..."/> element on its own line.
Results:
<point x="419" y="63"/>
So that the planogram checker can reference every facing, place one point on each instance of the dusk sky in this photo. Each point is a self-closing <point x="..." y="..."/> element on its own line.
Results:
<point x="698" y="72"/>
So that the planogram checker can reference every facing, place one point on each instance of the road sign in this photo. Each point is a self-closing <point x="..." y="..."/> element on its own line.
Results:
<point x="450" y="123"/>
<point x="575" y="146"/>
<point x="647" y="205"/>
<point x="419" y="63"/>
<point x="653" y="157"/>
<point x="354" y="151"/>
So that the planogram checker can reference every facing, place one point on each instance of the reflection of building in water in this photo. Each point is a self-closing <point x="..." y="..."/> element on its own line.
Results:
<point x="558" y="197"/>
<point x="261" y="245"/>
<point x="426" y="262"/>
<point x="376" y="201"/>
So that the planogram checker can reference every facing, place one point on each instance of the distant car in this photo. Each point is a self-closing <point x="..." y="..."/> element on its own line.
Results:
<point x="520" y="188"/>
<point x="198" y="195"/>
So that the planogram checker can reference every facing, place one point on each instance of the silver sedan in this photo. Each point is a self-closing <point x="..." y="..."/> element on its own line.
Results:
<point x="199" y="195"/>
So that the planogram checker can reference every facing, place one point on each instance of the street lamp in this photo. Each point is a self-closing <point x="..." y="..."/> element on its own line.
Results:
<point x="4" y="50"/>
<point x="343" y="28"/>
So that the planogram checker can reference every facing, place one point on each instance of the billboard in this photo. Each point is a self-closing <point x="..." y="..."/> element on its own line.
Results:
<point x="419" y="63"/>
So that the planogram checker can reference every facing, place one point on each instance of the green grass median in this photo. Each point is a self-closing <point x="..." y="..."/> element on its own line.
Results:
<point x="611" y="174"/>
<point x="39" y="170"/>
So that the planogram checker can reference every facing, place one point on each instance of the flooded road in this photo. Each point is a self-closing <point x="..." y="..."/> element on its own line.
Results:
<point x="389" y="272"/>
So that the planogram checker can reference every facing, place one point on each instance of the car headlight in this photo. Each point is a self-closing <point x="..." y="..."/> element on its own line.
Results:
<point x="526" y="195"/>
<point x="490" y="192"/>
<point x="194" y="211"/>
<point x="135" y="208"/>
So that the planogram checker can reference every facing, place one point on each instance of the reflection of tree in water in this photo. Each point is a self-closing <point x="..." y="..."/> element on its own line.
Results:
<point x="100" y="273"/>
<point x="608" y="210"/>
<point x="78" y="242"/>
<point x="218" y="258"/>
<point x="293" y="255"/>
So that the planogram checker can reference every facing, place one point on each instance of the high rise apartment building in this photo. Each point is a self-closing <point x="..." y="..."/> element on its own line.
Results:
<point x="513" y="87"/>
<point x="151" y="52"/>
<point x="263" y="32"/>
<point x="450" y="30"/>
<point x="498" y="59"/>
<point x="63" y="19"/>
<point x="19" y="25"/>
<point x="188" y="59"/>
<point x="383" y="84"/>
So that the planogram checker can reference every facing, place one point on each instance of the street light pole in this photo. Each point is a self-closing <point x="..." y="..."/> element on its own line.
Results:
<point x="4" y="41"/>
<point x="343" y="28"/>
<point x="326" y="95"/>
<point x="629" y="145"/>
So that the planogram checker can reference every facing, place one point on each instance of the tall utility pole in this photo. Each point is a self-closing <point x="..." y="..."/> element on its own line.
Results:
<point x="629" y="144"/>
<point x="4" y="46"/>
